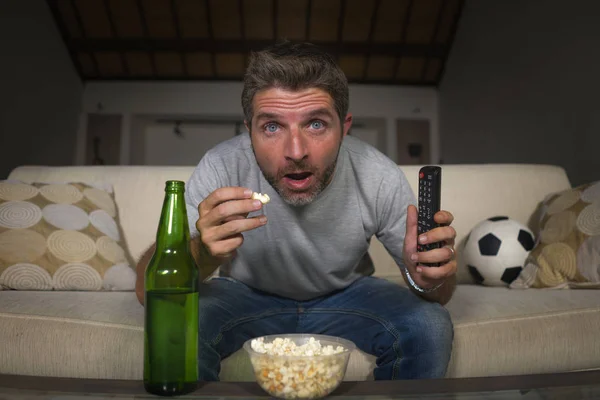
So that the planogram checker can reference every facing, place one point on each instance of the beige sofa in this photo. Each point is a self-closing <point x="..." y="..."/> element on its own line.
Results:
<point x="498" y="331"/>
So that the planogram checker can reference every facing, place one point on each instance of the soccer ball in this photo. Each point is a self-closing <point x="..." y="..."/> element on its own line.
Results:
<point x="496" y="249"/>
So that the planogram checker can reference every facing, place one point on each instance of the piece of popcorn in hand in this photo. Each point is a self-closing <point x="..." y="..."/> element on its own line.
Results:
<point x="264" y="198"/>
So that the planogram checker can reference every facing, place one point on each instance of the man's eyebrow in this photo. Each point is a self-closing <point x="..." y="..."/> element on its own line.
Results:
<point x="320" y="112"/>
<point x="266" y="115"/>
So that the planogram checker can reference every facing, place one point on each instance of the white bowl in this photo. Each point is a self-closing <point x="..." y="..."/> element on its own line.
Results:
<point x="300" y="376"/>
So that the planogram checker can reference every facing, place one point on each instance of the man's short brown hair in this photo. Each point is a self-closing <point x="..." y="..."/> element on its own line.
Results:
<point x="294" y="67"/>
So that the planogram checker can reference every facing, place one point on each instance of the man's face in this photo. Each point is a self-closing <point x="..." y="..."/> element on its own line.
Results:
<point x="296" y="137"/>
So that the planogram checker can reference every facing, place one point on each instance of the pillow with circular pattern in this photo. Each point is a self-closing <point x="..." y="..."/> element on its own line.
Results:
<point x="567" y="252"/>
<point x="62" y="236"/>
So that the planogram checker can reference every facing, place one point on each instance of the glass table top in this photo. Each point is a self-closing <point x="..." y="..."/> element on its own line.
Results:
<point x="571" y="386"/>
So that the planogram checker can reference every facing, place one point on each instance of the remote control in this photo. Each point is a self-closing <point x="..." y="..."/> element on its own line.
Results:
<point x="430" y="180"/>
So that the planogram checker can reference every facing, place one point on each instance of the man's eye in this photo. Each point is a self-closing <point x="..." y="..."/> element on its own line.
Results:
<point x="316" y="124"/>
<point x="271" y="127"/>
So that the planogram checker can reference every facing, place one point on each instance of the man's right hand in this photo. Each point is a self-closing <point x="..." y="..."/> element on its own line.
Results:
<point x="223" y="218"/>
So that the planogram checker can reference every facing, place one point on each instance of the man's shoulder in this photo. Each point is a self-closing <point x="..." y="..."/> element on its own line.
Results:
<point x="375" y="173"/>
<point x="224" y="164"/>
<point x="368" y="161"/>
<point x="231" y="156"/>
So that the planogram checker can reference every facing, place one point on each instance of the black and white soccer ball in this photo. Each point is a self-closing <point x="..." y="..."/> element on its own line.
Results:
<point x="496" y="250"/>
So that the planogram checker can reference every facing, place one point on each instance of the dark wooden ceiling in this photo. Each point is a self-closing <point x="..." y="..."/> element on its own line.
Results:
<point x="375" y="41"/>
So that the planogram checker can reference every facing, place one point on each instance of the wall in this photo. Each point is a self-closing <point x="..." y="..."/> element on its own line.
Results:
<point x="106" y="129"/>
<point x="521" y="85"/>
<point x="139" y="101"/>
<point x="164" y="147"/>
<point x="40" y="91"/>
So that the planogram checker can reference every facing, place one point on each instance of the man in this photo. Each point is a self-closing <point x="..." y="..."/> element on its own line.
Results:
<point x="300" y="263"/>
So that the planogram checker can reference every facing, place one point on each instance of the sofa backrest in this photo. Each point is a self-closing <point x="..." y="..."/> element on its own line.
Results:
<point x="471" y="192"/>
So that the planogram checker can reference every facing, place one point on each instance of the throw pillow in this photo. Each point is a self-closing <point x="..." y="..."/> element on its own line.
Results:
<point x="61" y="236"/>
<point x="567" y="252"/>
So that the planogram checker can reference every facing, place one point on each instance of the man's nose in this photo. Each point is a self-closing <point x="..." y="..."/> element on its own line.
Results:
<point x="296" y="147"/>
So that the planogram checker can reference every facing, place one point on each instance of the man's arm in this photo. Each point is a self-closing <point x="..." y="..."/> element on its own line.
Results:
<point x="141" y="272"/>
<point x="206" y="264"/>
<point x="398" y="231"/>
<point x="441" y="295"/>
<point x="423" y="276"/>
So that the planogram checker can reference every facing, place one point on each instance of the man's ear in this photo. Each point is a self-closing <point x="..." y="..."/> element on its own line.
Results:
<point x="347" y="124"/>
<point x="246" y="125"/>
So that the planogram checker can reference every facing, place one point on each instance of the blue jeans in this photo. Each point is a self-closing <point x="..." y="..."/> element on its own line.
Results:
<point x="410" y="337"/>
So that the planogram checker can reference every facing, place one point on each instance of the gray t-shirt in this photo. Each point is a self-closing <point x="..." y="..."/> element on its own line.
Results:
<point x="309" y="251"/>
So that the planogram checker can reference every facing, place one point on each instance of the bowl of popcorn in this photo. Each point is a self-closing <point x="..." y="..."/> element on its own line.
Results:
<point x="299" y="366"/>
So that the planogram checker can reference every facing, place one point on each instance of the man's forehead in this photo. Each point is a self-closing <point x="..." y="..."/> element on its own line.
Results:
<point x="283" y="90"/>
<point x="303" y="101"/>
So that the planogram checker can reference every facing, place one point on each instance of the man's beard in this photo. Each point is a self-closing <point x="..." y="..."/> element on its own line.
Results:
<point x="300" y="198"/>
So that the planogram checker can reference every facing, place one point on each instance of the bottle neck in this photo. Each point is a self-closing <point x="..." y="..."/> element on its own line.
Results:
<point x="173" y="228"/>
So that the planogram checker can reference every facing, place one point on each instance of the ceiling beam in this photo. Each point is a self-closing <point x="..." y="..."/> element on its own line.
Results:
<point x="64" y="32"/>
<point x="146" y="33"/>
<point x="240" y="46"/>
<point x="438" y="22"/>
<point x="307" y="22"/>
<point x="81" y="28"/>
<point x="243" y="26"/>
<point x="274" y="17"/>
<point x="175" y="18"/>
<point x="113" y="32"/>
<point x="340" y="28"/>
<point x="375" y="13"/>
<point x="179" y="78"/>
<point x="450" y="42"/>
<point x="407" y="16"/>
<point x="340" y="21"/>
<point x="211" y="35"/>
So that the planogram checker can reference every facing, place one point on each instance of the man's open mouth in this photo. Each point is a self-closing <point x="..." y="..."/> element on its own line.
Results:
<point x="298" y="176"/>
<point x="298" y="180"/>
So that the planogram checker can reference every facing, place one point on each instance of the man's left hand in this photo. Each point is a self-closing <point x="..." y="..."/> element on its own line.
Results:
<point x="424" y="276"/>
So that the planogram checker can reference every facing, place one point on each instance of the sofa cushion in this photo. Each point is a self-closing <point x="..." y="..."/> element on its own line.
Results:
<point x="498" y="331"/>
<point x="61" y="236"/>
<point x="567" y="254"/>
<point x="138" y="191"/>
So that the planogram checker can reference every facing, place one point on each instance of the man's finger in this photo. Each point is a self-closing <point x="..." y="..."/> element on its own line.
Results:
<point x="235" y="217"/>
<point x="443" y="217"/>
<point x="233" y="228"/>
<point x="225" y="211"/>
<point x="226" y="248"/>
<point x="440" y="234"/>
<point x="222" y="195"/>
<point x="410" y="240"/>
<point x="443" y="255"/>
<point x="438" y="273"/>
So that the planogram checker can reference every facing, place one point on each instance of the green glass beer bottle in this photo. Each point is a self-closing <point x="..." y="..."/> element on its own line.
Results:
<point x="171" y="303"/>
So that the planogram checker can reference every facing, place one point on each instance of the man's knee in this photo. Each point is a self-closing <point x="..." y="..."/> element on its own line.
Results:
<point x="434" y="328"/>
